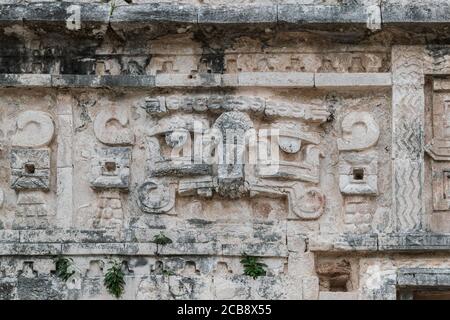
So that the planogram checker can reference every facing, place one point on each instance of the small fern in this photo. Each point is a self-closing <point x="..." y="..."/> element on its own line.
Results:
<point x="64" y="268"/>
<point x="252" y="267"/>
<point x="115" y="279"/>
<point x="161" y="240"/>
<point x="168" y="273"/>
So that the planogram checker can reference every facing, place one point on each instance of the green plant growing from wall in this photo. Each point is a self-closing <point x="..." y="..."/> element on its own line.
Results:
<point x="115" y="279"/>
<point x="64" y="268"/>
<point x="161" y="240"/>
<point x="168" y="273"/>
<point x="112" y="8"/>
<point x="252" y="267"/>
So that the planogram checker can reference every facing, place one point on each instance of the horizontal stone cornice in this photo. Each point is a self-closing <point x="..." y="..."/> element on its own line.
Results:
<point x="94" y="242"/>
<point x="207" y="80"/>
<point x="295" y="14"/>
<point x="420" y="242"/>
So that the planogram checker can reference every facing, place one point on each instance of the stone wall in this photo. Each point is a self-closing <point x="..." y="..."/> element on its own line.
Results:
<point x="111" y="115"/>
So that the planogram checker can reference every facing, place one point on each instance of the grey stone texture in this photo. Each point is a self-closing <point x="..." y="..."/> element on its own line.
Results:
<point x="100" y="119"/>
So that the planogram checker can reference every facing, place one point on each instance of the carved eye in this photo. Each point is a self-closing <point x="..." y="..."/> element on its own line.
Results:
<point x="30" y="168"/>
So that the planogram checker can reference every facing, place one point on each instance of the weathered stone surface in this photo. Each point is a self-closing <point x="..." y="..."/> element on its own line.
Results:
<point x="276" y="79"/>
<point x="413" y="242"/>
<point x="234" y="14"/>
<point x="417" y="12"/>
<point x="352" y="80"/>
<point x="110" y="168"/>
<point x="325" y="295"/>
<point x="30" y="169"/>
<point x="60" y="11"/>
<point x="155" y="12"/>
<point x="423" y="277"/>
<point x="177" y="137"/>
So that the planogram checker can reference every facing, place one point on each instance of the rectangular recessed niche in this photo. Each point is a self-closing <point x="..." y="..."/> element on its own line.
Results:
<point x="358" y="174"/>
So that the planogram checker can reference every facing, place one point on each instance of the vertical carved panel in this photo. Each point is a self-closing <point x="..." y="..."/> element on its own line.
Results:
<point x="64" y="161"/>
<point x="438" y="148"/>
<point x="30" y="161"/>
<point x="408" y="104"/>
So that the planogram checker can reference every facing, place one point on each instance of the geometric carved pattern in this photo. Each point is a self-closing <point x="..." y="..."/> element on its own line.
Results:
<point x="408" y="132"/>
<point x="408" y="105"/>
<point x="408" y="187"/>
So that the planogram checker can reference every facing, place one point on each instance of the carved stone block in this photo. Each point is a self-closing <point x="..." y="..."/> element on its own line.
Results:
<point x="154" y="106"/>
<point x="358" y="174"/>
<point x="439" y="146"/>
<point x="202" y="186"/>
<point x="34" y="129"/>
<point x="110" y="168"/>
<point x="109" y="210"/>
<point x="170" y="147"/>
<point x="360" y="131"/>
<point x="30" y="169"/>
<point x="156" y="197"/>
<point x="110" y="127"/>
<point x="293" y="142"/>
<point x="441" y="185"/>
<point x="358" y="214"/>
<point x="32" y="211"/>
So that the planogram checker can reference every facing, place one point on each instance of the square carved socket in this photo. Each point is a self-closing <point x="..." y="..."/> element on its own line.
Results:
<point x="30" y="168"/>
<point x="358" y="174"/>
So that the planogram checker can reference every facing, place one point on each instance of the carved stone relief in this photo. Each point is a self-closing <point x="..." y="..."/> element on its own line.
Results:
<point x="156" y="197"/>
<point x="109" y="210"/>
<point x="110" y="168"/>
<point x="170" y="145"/>
<point x="298" y="154"/>
<point x="360" y="131"/>
<point x="309" y="151"/>
<point x="30" y="169"/>
<point x="32" y="211"/>
<point x="110" y="127"/>
<point x="358" y="169"/>
<point x="441" y="186"/>
<point x="34" y="129"/>
<point x="219" y="161"/>
<point x="358" y="174"/>
<point x="310" y="62"/>
<point x="358" y="214"/>
<point x="408" y="101"/>
<point x="438" y="148"/>
<point x="232" y="127"/>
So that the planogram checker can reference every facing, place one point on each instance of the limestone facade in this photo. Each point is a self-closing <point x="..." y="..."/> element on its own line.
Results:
<point x="313" y="135"/>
